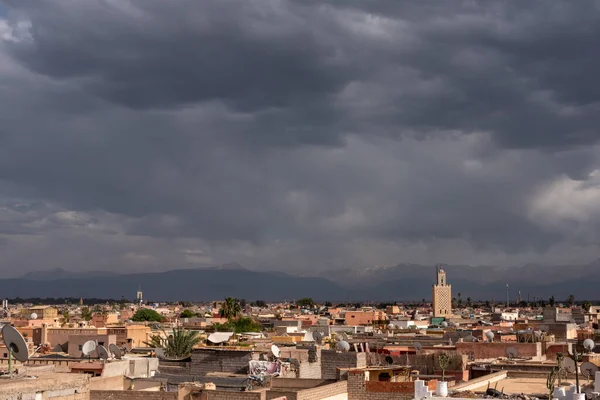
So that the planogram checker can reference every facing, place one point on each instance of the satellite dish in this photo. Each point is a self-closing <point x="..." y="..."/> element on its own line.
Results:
<point x="88" y="347"/>
<point x="511" y="352"/>
<point x="33" y="315"/>
<point x="114" y="349"/>
<point x="15" y="343"/>
<point x="102" y="352"/>
<point x="418" y="346"/>
<point x="342" y="345"/>
<point x="589" y="345"/>
<point x="444" y="324"/>
<point x="275" y="350"/>
<point x="569" y="365"/>
<point x="490" y="336"/>
<point x="588" y="369"/>
<point x="219" y="337"/>
<point x="389" y="360"/>
<point x="391" y="326"/>
<point x="470" y="338"/>
<point x="318" y="336"/>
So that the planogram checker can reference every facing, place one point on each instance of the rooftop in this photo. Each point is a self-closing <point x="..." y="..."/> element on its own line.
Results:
<point x="12" y="387"/>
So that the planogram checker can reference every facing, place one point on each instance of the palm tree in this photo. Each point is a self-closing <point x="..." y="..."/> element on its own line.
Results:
<point x="459" y="300"/>
<point x="66" y="317"/>
<point x="230" y="308"/>
<point x="571" y="300"/>
<point x="177" y="345"/>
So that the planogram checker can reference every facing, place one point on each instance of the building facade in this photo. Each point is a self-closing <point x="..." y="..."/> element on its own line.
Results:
<point x="442" y="295"/>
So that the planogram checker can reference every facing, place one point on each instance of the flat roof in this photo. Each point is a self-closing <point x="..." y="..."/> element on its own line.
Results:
<point x="11" y="387"/>
<point x="518" y="386"/>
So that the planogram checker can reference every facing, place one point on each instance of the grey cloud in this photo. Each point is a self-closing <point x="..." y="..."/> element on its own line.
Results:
<point x="283" y="134"/>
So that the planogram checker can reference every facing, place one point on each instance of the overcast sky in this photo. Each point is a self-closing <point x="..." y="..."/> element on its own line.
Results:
<point x="297" y="135"/>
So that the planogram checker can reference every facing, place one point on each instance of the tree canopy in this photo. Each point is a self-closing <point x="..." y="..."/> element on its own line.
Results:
<point x="230" y="308"/>
<point x="146" y="314"/>
<point x="239" y="325"/>
<point x="305" y="302"/>
<point x="187" y="314"/>
<point x="177" y="345"/>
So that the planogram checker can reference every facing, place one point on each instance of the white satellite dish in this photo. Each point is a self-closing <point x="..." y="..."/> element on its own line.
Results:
<point x="444" y="324"/>
<point x="114" y="349"/>
<point x="15" y="344"/>
<point x="33" y="315"/>
<point x="219" y="337"/>
<point x="342" y="345"/>
<point x="275" y="350"/>
<point x="88" y="347"/>
<point x="102" y="352"/>
<point x="569" y="365"/>
<point x="308" y="337"/>
<point x="490" y="336"/>
<point x="589" y="345"/>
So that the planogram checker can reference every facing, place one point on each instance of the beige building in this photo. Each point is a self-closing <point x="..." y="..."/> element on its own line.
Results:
<point x="442" y="295"/>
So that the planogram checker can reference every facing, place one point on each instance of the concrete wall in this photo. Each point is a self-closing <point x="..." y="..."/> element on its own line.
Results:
<point x="332" y="360"/>
<point x="308" y="369"/>
<point x="486" y="351"/>
<point x="111" y="383"/>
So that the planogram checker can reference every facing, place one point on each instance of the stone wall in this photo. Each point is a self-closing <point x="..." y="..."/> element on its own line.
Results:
<point x="332" y="360"/>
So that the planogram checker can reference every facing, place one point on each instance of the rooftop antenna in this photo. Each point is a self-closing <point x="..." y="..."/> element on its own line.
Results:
<point x="102" y="352"/>
<point x="342" y="346"/>
<point x="589" y="345"/>
<point x="275" y="350"/>
<point x="114" y="349"/>
<point x="87" y="348"/>
<point x="15" y="345"/>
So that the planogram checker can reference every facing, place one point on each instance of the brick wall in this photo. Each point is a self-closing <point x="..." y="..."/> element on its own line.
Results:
<point x="361" y="389"/>
<point x="308" y="369"/>
<point x="331" y="360"/>
<point x="231" y="361"/>
<point x="131" y="395"/>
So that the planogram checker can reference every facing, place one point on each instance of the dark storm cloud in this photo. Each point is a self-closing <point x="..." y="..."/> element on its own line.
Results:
<point x="260" y="131"/>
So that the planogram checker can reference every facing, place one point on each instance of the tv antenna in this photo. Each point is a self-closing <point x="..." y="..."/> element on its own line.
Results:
<point x="589" y="345"/>
<point x="116" y="352"/>
<point x="318" y="336"/>
<point x="511" y="352"/>
<point x="342" y="346"/>
<point x="88" y="348"/>
<point x="275" y="350"/>
<point x="15" y="344"/>
<point x="589" y="369"/>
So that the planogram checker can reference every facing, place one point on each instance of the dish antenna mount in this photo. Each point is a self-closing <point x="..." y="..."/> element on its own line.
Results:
<point x="15" y="345"/>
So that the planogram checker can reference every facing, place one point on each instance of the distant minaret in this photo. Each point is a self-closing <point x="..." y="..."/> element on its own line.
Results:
<point x="81" y="301"/>
<point x="139" y="296"/>
<point x="442" y="295"/>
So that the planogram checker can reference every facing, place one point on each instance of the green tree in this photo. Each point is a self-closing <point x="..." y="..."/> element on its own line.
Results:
<point x="469" y="302"/>
<point x="187" y="314"/>
<point x="86" y="314"/>
<point x="570" y="300"/>
<point x="230" y="308"/>
<point x="177" y="345"/>
<point x="244" y="324"/>
<point x="146" y="314"/>
<point x="551" y="301"/>
<point x="586" y="306"/>
<point x="305" y="302"/>
<point x="66" y="317"/>
<point x="459" y="300"/>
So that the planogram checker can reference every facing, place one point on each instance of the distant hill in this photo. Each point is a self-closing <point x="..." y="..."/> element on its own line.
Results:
<point x="396" y="283"/>
<point x="186" y="285"/>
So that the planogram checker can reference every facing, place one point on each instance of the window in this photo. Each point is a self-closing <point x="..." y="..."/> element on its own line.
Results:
<point x="80" y="347"/>
<point x="101" y="343"/>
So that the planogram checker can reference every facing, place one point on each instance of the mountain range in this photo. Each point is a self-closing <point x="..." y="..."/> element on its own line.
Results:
<point x="382" y="283"/>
